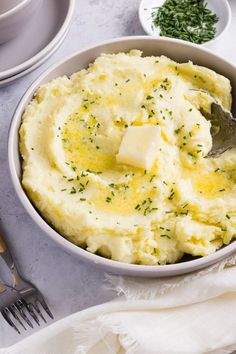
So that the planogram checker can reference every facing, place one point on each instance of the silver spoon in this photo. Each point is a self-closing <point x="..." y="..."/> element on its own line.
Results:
<point x="223" y="129"/>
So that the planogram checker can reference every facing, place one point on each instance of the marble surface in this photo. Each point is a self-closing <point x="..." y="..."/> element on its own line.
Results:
<point x="67" y="283"/>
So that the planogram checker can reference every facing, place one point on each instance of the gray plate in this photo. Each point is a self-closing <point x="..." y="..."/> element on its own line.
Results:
<point x="41" y="34"/>
<point x="12" y="79"/>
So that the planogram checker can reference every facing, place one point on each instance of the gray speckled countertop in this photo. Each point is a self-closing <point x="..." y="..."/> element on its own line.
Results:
<point x="67" y="283"/>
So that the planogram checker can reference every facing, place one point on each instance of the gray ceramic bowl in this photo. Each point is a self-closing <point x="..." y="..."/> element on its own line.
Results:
<point x="179" y="51"/>
<point x="15" y="16"/>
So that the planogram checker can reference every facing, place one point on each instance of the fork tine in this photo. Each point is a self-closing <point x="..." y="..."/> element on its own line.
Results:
<point x="41" y="300"/>
<point x="13" y="309"/>
<point x="5" y="313"/>
<point x="38" y="310"/>
<point x="31" y="309"/>
<point x="21" y="307"/>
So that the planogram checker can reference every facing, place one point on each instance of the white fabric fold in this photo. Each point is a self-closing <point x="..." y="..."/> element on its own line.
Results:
<point x="191" y="314"/>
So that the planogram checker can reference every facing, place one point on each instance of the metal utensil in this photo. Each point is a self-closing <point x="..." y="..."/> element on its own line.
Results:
<point x="20" y="302"/>
<point x="223" y="129"/>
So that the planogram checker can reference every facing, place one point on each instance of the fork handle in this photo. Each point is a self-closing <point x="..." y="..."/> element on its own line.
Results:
<point x="6" y="255"/>
<point x="3" y="246"/>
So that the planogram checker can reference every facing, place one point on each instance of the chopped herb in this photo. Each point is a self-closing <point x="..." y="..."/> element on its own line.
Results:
<point x="183" y="213"/>
<point x="108" y="199"/>
<point x="95" y="172"/>
<point x="164" y="235"/>
<point x="190" y="20"/>
<point x="82" y="199"/>
<point x="63" y="190"/>
<point x="152" y="177"/>
<point x="178" y="130"/>
<point x="171" y="196"/>
<point x="222" y="190"/>
<point x="191" y="154"/>
<point x="227" y="216"/>
<point x="149" y="97"/>
<point x="73" y="190"/>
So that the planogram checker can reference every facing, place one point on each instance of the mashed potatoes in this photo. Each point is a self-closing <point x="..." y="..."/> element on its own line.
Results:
<point x="114" y="159"/>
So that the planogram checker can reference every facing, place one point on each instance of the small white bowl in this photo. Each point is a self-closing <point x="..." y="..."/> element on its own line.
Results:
<point x="14" y="16"/>
<point x="220" y="7"/>
<point x="180" y="51"/>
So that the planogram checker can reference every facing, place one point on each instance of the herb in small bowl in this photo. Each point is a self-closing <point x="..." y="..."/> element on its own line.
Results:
<point x="196" y="21"/>
<point x="189" y="20"/>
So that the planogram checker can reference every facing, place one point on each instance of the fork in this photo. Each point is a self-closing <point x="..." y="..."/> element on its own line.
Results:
<point x="223" y="129"/>
<point x="20" y="302"/>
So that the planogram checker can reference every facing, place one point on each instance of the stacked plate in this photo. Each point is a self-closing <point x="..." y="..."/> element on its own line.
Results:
<point x="40" y="38"/>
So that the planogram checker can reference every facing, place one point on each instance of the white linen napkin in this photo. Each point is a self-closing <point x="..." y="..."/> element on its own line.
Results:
<point x="191" y="314"/>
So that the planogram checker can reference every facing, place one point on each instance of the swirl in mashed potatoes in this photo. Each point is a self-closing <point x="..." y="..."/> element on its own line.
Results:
<point x="114" y="159"/>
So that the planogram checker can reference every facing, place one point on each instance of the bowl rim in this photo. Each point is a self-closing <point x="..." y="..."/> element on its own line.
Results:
<point x="108" y="264"/>
<point x="229" y="19"/>
<point x="38" y="56"/>
<point x="14" y="9"/>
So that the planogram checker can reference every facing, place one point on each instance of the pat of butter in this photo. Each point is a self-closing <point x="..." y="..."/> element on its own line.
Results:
<point x="139" y="146"/>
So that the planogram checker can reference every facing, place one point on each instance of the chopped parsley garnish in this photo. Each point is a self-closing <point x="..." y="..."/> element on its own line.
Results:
<point x="152" y="178"/>
<point x="190" y="20"/>
<point x="164" y="235"/>
<point x="73" y="190"/>
<point x="171" y="196"/>
<point x="191" y="154"/>
<point x="149" y="97"/>
<point x="94" y="172"/>
<point x="178" y="130"/>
